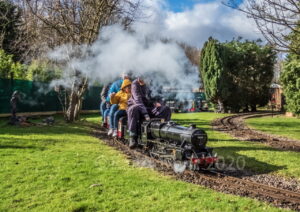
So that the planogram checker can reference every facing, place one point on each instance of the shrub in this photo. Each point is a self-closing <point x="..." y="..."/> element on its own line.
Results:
<point x="290" y="79"/>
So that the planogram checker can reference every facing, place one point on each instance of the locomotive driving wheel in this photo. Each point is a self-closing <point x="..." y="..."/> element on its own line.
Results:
<point x="180" y="166"/>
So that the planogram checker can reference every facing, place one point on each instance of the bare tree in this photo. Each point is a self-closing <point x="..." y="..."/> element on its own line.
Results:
<point x="192" y="53"/>
<point x="52" y="23"/>
<point x="276" y="19"/>
<point x="57" y="22"/>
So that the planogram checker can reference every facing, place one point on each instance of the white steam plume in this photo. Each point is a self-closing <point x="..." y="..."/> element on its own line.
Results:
<point x="117" y="51"/>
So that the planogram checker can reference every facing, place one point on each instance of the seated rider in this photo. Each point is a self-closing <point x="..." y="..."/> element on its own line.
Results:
<point x="139" y="106"/>
<point x="121" y="99"/>
<point x="114" y="88"/>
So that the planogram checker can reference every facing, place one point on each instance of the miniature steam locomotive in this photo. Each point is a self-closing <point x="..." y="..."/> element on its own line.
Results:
<point x="171" y="142"/>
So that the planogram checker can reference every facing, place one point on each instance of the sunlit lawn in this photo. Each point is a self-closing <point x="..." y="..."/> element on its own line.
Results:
<point x="258" y="157"/>
<point x="277" y="125"/>
<point x="64" y="168"/>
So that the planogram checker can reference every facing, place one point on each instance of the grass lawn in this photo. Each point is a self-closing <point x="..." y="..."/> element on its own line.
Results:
<point x="277" y="125"/>
<point x="53" y="169"/>
<point x="258" y="157"/>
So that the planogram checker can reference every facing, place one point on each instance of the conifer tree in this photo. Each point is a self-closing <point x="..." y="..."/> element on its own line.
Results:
<point x="237" y="74"/>
<point x="290" y="77"/>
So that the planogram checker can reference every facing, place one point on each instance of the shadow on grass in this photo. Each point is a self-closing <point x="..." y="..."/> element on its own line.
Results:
<point x="20" y="147"/>
<point x="293" y="124"/>
<point x="232" y="157"/>
<point x="221" y="140"/>
<point x="56" y="129"/>
<point x="39" y="137"/>
<point x="191" y="121"/>
<point x="198" y="123"/>
<point x="276" y="127"/>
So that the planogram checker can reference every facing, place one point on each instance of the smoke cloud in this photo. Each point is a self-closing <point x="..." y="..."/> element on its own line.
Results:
<point x="162" y="64"/>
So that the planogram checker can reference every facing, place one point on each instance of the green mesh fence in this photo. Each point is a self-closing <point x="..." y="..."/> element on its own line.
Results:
<point x="36" y="97"/>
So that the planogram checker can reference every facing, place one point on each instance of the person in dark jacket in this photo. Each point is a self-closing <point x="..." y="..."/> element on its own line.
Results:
<point x="15" y="98"/>
<point x="140" y="106"/>
<point x="104" y="103"/>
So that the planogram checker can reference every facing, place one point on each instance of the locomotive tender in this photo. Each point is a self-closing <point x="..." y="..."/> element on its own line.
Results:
<point x="171" y="142"/>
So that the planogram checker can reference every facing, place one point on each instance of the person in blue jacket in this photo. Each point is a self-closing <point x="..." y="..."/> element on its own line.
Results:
<point x="114" y="88"/>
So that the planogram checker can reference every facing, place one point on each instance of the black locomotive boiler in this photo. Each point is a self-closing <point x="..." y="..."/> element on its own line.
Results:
<point x="172" y="142"/>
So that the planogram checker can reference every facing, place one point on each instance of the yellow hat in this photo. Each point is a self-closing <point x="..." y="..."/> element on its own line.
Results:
<point x="126" y="82"/>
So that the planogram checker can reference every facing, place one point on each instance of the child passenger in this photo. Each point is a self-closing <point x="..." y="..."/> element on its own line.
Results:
<point x="121" y="99"/>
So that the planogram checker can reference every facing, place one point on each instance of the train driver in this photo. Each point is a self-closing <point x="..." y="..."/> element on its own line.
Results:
<point x="140" y="106"/>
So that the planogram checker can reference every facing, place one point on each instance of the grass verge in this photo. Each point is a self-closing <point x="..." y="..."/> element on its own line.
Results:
<point x="63" y="168"/>
<point x="277" y="125"/>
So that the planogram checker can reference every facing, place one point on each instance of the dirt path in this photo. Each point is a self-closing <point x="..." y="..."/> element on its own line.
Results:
<point x="284" y="194"/>
<point x="235" y="126"/>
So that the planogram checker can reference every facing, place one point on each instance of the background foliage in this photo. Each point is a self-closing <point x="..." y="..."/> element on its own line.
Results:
<point x="37" y="70"/>
<point x="42" y="71"/>
<point x="237" y="74"/>
<point x="290" y="77"/>
<point x="291" y="83"/>
<point x="9" y="68"/>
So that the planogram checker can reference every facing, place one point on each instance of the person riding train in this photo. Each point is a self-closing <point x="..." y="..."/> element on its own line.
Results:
<point x="120" y="98"/>
<point x="140" y="106"/>
<point x="110" y="111"/>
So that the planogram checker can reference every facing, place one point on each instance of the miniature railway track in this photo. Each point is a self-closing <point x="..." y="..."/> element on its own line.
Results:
<point x="235" y="126"/>
<point x="214" y="179"/>
<point x="227" y="121"/>
<point x="277" y="194"/>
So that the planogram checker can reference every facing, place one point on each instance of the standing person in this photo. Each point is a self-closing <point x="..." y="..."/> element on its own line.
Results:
<point x="114" y="88"/>
<point x="104" y="103"/>
<point x="13" y="102"/>
<point x="121" y="99"/>
<point x="140" y="106"/>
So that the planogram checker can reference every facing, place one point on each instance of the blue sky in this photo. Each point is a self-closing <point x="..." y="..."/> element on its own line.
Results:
<point x="181" y="5"/>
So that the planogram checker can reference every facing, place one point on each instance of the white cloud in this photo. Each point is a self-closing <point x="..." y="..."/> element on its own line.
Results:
<point x="195" y="25"/>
